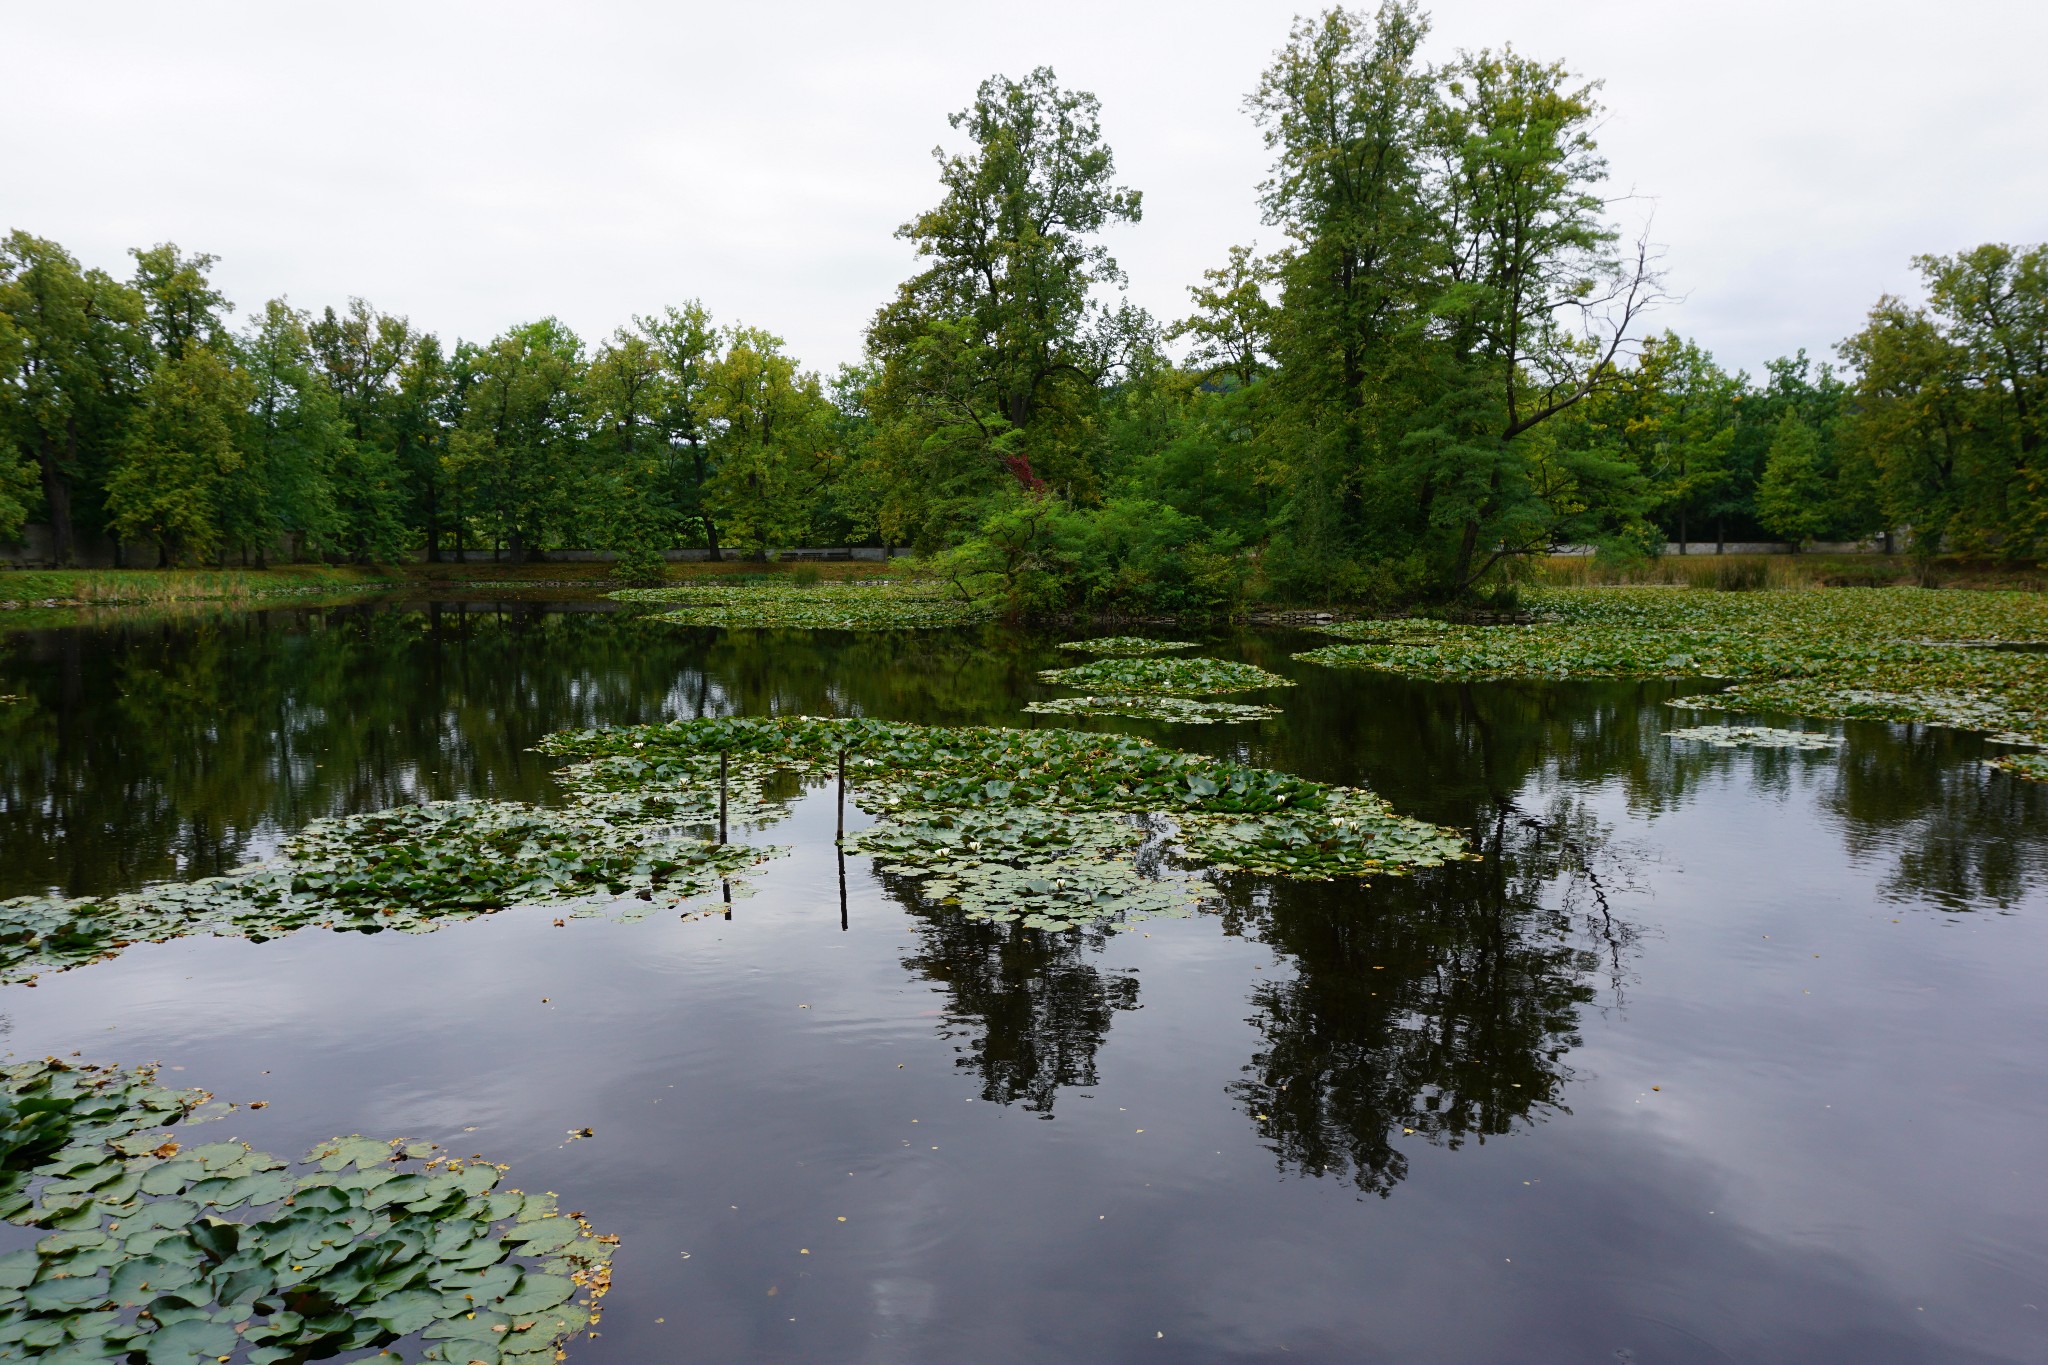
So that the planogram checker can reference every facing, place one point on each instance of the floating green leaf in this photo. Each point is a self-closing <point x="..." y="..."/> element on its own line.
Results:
<point x="1129" y="645"/>
<point x="410" y="868"/>
<point x="1756" y="737"/>
<point x="172" y="1254"/>
<point x="1181" y="677"/>
<point x="1052" y="828"/>
<point x="1897" y="654"/>
<point x="1147" y="706"/>
<point x="820" y="606"/>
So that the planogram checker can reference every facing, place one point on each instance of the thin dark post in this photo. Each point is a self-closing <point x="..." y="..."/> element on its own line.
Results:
<point x="721" y="800"/>
<point x="839" y="835"/>
<point x="842" y="890"/>
<point x="726" y="886"/>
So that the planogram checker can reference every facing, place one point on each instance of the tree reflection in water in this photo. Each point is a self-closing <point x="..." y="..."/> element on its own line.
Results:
<point x="1027" y="1010"/>
<point x="1438" y="1008"/>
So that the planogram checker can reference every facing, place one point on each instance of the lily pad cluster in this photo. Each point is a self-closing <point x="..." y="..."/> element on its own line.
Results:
<point x="1174" y="677"/>
<point x="1129" y="646"/>
<point x="1152" y="706"/>
<point x="817" y="606"/>
<point x="1871" y="653"/>
<point x="1047" y="827"/>
<point x="1756" y="737"/>
<point x="410" y="868"/>
<point x="172" y="1253"/>
<point x="2033" y="766"/>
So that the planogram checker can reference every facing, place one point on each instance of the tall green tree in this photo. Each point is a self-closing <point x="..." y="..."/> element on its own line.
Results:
<point x="179" y="301"/>
<point x="991" y="355"/>
<point x="1793" y="500"/>
<point x="182" y="481"/>
<point x="1451" y="286"/>
<point x="1231" y="328"/>
<point x="774" y="442"/>
<point x="77" y="356"/>
<point x="295" y="434"/>
<point x="625" y="396"/>
<point x="687" y="343"/>
<point x="520" y="446"/>
<point x="361" y="354"/>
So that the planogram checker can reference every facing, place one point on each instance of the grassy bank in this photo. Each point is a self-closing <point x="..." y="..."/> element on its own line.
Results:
<point x="149" y="587"/>
<point x="1748" y="572"/>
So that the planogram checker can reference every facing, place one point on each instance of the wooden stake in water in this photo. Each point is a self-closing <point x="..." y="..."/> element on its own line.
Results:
<point x="721" y="796"/>
<point x="839" y="835"/>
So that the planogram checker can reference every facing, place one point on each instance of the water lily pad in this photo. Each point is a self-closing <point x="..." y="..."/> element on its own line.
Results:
<point x="410" y="868"/>
<point x="1053" y="828"/>
<point x="1181" y="677"/>
<point x="1126" y="645"/>
<point x="1756" y="737"/>
<point x="1146" y="706"/>
<point x="1853" y="653"/>
<point x="817" y="606"/>
<point x="357" y="1245"/>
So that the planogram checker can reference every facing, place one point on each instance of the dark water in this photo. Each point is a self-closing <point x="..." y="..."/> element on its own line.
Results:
<point x="1717" y="1056"/>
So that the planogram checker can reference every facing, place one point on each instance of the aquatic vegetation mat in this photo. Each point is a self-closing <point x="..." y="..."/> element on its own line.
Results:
<point x="169" y="1253"/>
<point x="1756" y="737"/>
<point x="2034" y="766"/>
<point x="1893" y="654"/>
<point x="1051" y="828"/>
<point x="1126" y="645"/>
<point x="1179" y="677"/>
<point x="816" y="606"/>
<point x="411" y="869"/>
<point x="637" y="835"/>
<point x="1150" y="706"/>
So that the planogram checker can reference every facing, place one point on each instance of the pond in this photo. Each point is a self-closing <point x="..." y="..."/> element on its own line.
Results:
<point x="1714" y="1054"/>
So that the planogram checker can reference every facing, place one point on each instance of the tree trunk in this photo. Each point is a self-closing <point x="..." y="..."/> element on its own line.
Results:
<point x="1467" y="543"/>
<point x="1681" y="530"/>
<point x="1720" y="533"/>
<point x="57" y="493"/>
<point x="711" y="539"/>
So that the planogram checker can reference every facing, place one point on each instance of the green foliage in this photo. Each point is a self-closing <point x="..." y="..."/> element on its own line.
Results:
<point x="1126" y="645"/>
<point x="1152" y="706"/>
<point x="181" y="481"/>
<point x="1450" y="289"/>
<point x="1951" y="408"/>
<point x="76" y="355"/>
<point x="1900" y="654"/>
<point x="774" y="447"/>
<point x="1038" y="556"/>
<point x="991" y="358"/>
<point x="818" y="606"/>
<point x="1792" y="500"/>
<point x="184" y="1253"/>
<point x="1434" y="379"/>
<point x="996" y="817"/>
<point x="410" y="869"/>
<point x="1184" y="677"/>
<point x="17" y="487"/>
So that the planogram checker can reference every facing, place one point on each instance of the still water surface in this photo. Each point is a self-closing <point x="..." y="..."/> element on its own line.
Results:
<point x="1717" y="1056"/>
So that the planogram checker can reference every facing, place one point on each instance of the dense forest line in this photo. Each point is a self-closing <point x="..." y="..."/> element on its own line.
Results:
<point x="1443" y="369"/>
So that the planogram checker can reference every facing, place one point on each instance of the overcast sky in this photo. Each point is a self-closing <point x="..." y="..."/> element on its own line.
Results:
<point x="478" y="165"/>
